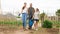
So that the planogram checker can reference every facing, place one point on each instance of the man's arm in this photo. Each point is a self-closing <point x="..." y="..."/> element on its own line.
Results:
<point x="28" y="10"/>
<point x="33" y="10"/>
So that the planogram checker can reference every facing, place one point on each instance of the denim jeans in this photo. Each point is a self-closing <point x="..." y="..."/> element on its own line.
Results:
<point x="24" y="19"/>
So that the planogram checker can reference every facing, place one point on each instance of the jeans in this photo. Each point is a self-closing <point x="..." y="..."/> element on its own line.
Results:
<point x="24" y="19"/>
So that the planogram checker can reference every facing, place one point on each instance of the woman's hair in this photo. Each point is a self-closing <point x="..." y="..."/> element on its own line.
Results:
<point x="24" y="6"/>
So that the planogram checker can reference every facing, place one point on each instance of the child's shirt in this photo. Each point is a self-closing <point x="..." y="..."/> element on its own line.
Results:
<point x="36" y="15"/>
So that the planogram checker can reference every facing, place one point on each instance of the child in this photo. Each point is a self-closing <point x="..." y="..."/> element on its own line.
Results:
<point x="36" y="18"/>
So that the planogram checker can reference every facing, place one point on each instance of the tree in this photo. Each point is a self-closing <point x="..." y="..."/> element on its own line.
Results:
<point x="58" y="14"/>
<point x="42" y="17"/>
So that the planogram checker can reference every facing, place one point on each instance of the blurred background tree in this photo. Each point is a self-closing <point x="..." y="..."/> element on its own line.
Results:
<point x="58" y="14"/>
<point x="42" y="17"/>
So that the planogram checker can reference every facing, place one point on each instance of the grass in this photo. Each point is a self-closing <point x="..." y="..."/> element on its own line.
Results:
<point x="56" y="24"/>
<point x="10" y="25"/>
<point x="18" y="23"/>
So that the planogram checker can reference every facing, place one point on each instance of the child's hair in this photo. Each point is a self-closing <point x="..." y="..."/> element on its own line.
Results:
<point x="37" y="9"/>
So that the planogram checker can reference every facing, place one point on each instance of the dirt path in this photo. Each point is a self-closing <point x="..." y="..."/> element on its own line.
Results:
<point x="41" y="31"/>
<point x="6" y="30"/>
<point x="14" y="32"/>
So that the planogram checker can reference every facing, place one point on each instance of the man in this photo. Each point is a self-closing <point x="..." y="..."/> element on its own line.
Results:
<point x="31" y="11"/>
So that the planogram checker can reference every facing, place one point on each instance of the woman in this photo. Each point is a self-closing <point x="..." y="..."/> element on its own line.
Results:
<point x="36" y="18"/>
<point x="24" y="16"/>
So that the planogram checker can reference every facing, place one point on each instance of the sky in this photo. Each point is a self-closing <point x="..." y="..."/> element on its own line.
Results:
<point x="14" y="6"/>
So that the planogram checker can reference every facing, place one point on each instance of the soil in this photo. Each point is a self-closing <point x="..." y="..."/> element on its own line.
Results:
<point x="6" y="30"/>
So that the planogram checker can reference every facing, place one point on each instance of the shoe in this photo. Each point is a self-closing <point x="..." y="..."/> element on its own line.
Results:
<point x="29" y="28"/>
<point x="25" y="29"/>
<point x="36" y="29"/>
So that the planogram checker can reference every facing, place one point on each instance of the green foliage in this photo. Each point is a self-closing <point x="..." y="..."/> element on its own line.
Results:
<point x="56" y="23"/>
<point x="18" y="23"/>
<point x="18" y="17"/>
<point x="47" y="24"/>
<point x="58" y="12"/>
<point x="42" y="14"/>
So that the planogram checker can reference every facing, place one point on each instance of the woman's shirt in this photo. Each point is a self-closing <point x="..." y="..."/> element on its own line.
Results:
<point x="36" y="15"/>
<point x="24" y="11"/>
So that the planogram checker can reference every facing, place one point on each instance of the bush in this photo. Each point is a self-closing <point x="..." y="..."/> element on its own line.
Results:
<point x="47" y="24"/>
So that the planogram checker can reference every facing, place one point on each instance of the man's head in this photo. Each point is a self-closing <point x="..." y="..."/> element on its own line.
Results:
<point x="30" y="4"/>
